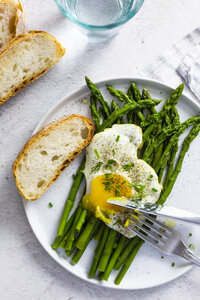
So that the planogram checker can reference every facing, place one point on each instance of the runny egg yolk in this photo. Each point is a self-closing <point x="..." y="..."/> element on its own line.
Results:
<point x="104" y="187"/>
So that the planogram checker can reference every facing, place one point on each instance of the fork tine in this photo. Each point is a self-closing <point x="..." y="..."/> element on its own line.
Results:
<point x="156" y="230"/>
<point x="142" y="236"/>
<point x="163" y="226"/>
<point x="147" y="231"/>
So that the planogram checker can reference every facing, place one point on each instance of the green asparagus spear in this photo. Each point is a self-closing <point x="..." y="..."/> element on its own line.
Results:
<point x="98" y="252"/>
<point x="119" y="94"/>
<point x="73" y="230"/>
<point x="185" y="147"/>
<point x="130" y="115"/>
<point x="127" y="264"/>
<point x="86" y="232"/>
<point x="129" y="248"/>
<point x="96" y="92"/>
<point x="171" y="163"/>
<point x="175" y="119"/>
<point x="95" y="114"/>
<point x="70" y="201"/>
<point x="114" y="257"/>
<point x="173" y="99"/>
<point x="157" y="155"/>
<point x="115" y="106"/>
<point x="99" y="232"/>
<point x="135" y="91"/>
<point x="174" y="139"/>
<point x="107" y="251"/>
<point x="59" y="239"/>
<point x="168" y="105"/>
<point x="125" y="109"/>
<point x="162" y="168"/>
<point x="178" y="129"/>
<point x="80" y="252"/>
<point x="63" y="243"/>
<point x="81" y="219"/>
<point x="146" y="95"/>
<point x="125" y="98"/>
<point x="137" y="97"/>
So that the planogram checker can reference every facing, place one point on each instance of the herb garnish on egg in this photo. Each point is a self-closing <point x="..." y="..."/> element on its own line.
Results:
<point x="119" y="174"/>
<point x="117" y="139"/>
<point x="97" y="153"/>
<point x="128" y="167"/>
<point x="97" y="167"/>
<point x="110" y="164"/>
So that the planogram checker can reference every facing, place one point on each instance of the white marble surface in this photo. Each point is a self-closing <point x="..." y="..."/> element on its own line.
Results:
<point x="27" y="272"/>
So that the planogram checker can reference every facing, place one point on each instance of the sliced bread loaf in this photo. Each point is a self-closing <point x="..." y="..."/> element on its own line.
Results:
<point x="24" y="59"/>
<point x="48" y="153"/>
<point x="12" y="20"/>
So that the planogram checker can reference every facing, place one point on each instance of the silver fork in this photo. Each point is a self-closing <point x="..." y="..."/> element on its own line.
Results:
<point x="161" y="236"/>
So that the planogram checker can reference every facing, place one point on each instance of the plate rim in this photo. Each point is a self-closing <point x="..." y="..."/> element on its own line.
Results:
<point x="40" y="124"/>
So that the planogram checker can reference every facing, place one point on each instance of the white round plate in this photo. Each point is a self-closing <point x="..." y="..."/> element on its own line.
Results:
<point x="148" y="269"/>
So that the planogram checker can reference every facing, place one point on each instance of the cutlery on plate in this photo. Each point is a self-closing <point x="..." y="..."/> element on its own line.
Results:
<point x="162" y="237"/>
<point x="157" y="210"/>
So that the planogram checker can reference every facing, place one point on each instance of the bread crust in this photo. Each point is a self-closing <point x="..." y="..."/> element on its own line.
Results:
<point x="42" y="133"/>
<point x="60" y="53"/>
<point x="20" y="21"/>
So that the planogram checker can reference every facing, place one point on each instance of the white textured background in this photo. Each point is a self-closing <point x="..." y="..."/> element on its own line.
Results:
<point x="26" y="271"/>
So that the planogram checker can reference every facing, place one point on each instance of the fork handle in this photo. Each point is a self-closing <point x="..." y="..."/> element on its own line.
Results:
<point x="191" y="257"/>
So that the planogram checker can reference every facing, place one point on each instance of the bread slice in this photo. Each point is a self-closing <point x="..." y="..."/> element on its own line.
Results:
<point x="24" y="59"/>
<point x="48" y="153"/>
<point x="12" y="20"/>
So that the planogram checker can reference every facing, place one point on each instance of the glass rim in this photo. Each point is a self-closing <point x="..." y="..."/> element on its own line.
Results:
<point x="101" y="27"/>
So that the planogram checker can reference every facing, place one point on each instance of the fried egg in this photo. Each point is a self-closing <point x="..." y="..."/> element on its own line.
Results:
<point x="113" y="169"/>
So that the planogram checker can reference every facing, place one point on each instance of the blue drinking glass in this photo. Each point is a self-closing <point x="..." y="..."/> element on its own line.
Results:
<point x="99" y="19"/>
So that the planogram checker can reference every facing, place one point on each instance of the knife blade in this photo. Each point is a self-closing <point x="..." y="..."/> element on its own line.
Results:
<point x="157" y="210"/>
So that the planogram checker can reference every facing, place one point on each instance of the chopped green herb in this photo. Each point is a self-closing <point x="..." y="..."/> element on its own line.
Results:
<point x="138" y="197"/>
<point x="150" y="178"/>
<point x="131" y="141"/>
<point x="123" y="181"/>
<point x="50" y="204"/>
<point x="117" y="193"/>
<point x="97" y="167"/>
<point x="117" y="139"/>
<point x="113" y="151"/>
<point x="140" y="188"/>
<point x="137" y="186"/>
<point x="190" y="234"/>
<point x="118" y="185"/>
<point x="107" y="174"/>
<point x="128" y="167"/>
<point x="97" y="153"/>
<point x="191" y="246"/>
<point x="107" y="188"/>
<point x="173" y="264"/>
<point x="110" y="164"/>
<point x="108" y="181"/>
<point x="162" y="257"/>
<point x="154" y="190"/>
<point x="74" y="176"/>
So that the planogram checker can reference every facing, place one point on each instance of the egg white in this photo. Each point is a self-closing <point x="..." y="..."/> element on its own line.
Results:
<point x="120" y="143"/>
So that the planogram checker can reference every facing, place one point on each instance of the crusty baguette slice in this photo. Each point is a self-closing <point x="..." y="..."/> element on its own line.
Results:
<point x="24" y="59"/>
<point x="48" y="153"/>
<point x="12" y="20"/>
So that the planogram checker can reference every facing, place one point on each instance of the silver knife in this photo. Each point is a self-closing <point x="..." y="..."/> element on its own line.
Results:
<point x="157" y="210"/>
